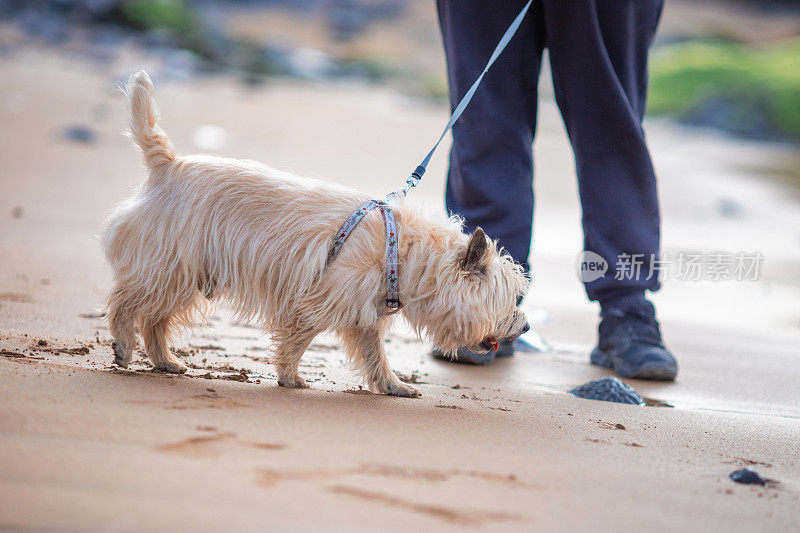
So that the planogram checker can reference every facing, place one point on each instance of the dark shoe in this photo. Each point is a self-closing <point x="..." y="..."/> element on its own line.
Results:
<point x="506" y="348"/>
<point x="630" y="344"/>
<point x="468" y="357"/>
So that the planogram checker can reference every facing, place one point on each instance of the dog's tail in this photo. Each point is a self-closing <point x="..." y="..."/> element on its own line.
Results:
<point x="145" y="131"/>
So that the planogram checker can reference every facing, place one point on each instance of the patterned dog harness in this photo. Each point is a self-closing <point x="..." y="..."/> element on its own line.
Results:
<point x="392" y="303"/>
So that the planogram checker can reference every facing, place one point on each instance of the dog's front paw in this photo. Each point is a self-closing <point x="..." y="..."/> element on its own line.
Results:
<point x="173" y="367"/>
<point x="294" y="382"/>
<point x="397" y="388"/>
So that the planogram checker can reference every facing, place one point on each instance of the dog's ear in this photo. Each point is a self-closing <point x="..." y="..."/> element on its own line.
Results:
<point x="477" y="254"/>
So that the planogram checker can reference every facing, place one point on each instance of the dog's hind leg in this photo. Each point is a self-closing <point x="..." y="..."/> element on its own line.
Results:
<point x="122" y="323"/>
<point x="292" y="344"/>
<point x="365" y="348"/>
<point x="155" y="344"/>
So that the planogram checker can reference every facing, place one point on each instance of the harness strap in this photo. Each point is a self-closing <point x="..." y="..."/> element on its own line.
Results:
<point x="392" y="303"/>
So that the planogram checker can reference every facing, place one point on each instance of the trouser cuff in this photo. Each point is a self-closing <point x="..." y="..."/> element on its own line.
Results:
<point x="635" y="302"/>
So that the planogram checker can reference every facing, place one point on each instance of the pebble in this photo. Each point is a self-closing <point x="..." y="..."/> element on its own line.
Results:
<point x="747" y="476"/>
<point x="79" y="133"/>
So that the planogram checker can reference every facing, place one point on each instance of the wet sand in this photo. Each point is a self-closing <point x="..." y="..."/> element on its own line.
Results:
<point x="85" y="445"/>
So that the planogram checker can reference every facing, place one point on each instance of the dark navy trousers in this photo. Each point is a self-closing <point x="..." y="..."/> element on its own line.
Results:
<point x="598" y="56"/>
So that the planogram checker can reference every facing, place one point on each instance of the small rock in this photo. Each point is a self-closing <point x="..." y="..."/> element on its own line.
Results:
<point x="79" y="133"/>
<point x="17" y="212"/>
<point x="608" y="389"/>
<point x="747" y="476"/>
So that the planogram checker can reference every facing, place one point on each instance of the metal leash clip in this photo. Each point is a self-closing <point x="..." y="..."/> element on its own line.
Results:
<point x="411" y="182"/>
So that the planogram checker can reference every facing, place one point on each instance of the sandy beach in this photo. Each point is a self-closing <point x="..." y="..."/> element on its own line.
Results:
<point x="85" y="445"/>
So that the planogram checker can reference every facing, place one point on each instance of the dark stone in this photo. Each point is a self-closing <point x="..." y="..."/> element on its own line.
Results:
<point x="78" y="133"/>
<point x="747" y="476"/>
<point x="608" y="389"/>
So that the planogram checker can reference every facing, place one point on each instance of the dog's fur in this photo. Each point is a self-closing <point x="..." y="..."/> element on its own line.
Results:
<point x="257" y="239"/>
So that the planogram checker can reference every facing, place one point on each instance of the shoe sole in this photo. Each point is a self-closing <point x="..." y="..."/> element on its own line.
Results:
<point x="651" y="370"/>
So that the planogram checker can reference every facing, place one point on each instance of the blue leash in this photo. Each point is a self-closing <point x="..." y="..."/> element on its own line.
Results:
<point x="416" y="176"/>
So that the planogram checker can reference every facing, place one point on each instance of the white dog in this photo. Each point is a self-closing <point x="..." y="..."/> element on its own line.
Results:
<point x="257" y="239"/>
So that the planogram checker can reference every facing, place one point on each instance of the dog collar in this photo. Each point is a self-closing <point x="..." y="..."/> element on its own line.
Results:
<point x="392" y="303"/>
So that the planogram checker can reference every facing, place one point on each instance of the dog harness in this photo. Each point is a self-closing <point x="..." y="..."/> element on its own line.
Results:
<point x="392" y="303"/>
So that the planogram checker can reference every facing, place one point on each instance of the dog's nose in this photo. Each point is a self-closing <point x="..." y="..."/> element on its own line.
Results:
<point x="526" y="328"/>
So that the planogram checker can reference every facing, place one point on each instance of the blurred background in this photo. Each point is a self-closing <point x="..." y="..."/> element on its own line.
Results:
<point x="731" y="65"/>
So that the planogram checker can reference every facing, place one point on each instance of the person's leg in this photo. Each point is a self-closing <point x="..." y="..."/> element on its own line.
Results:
<point x="598" y="52"/>
<point x="490" y="179"/>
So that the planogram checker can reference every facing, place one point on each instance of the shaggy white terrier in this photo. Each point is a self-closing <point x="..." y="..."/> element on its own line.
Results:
<point x="257" y="239"/>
